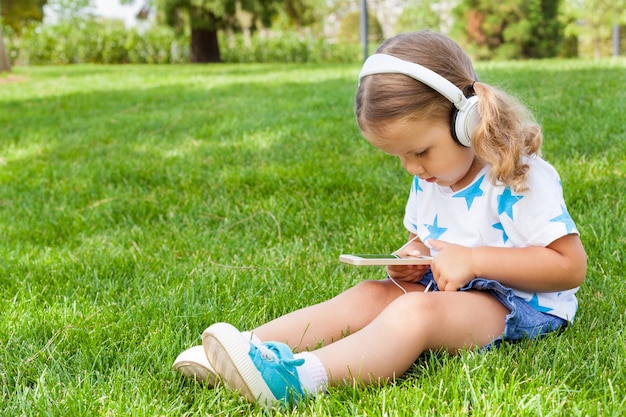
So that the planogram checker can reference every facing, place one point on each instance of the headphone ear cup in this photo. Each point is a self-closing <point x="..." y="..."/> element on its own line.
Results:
<point x="465" y="121"/>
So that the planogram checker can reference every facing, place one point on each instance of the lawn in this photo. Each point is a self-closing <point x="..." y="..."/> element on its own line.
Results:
<point x="140" y="204"/>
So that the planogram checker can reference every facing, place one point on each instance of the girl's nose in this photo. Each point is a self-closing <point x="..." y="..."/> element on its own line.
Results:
<point x="412" y="165"/>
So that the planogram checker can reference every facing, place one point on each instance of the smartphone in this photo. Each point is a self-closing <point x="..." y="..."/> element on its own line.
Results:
<point x="384" y="259"/>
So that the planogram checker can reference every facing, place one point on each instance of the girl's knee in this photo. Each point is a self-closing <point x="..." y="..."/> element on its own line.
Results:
<point x="417" y="305"/>
<point x="373" y="288"/>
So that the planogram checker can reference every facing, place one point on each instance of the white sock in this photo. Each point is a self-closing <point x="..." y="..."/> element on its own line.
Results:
<point x="251" y="337"/>
<point x="312" y="373"/>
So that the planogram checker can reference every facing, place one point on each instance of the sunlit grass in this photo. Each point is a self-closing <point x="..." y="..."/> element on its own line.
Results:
<point x="139" y="204"/>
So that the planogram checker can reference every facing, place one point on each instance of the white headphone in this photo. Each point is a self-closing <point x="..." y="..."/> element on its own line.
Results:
<point x="465" y="116"/>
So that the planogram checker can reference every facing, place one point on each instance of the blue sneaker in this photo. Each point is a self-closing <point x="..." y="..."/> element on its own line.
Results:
<point x="264" y="373"/>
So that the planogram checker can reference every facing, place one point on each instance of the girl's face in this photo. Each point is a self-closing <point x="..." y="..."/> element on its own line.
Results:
<point x="427" y="150"/>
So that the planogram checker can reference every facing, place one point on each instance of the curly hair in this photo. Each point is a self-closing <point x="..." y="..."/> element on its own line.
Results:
<point x="506" y="131"/>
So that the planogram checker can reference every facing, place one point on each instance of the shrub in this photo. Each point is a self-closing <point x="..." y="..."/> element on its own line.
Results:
<point x="286" y="47"/>
<point x="350" y="28"/>
<point x="109" y="42"/>
<point x="96" y="42"/>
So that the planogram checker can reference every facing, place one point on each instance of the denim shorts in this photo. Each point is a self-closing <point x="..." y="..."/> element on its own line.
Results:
<point x="523" y="322"/>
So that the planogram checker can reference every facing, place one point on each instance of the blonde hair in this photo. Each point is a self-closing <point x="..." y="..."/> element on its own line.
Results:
<point x="506" y="132"/>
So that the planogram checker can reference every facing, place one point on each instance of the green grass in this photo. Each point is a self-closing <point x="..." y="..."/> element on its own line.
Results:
<point x="140" y="204"/>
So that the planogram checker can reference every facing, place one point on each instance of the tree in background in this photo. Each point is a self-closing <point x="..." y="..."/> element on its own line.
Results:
<point x="592" y="22"/>
<point x="304" y="13"/>
<point x="419" y="17"/>
<point x="349" y="29"/>
<point x="5" y="65"/>
<point x="509" y="29"/>
<point x="302" y="17"/>
<point x="205" y="18"/>
<point x="19" y="13"/>
<point x="71" y="9"/>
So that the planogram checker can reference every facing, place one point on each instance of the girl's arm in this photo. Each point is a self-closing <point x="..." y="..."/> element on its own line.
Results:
<point x="560" y="266"/>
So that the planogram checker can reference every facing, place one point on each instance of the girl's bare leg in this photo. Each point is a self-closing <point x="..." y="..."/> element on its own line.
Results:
<point x="331" y="320"/>
<point x="413" y="323"/>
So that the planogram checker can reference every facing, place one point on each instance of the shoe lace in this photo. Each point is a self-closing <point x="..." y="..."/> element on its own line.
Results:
<point x="270" y="352"/>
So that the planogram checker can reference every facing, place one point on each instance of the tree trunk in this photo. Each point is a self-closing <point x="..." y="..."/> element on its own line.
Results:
<point x="204" y="46"/>
<point x="5" y="64"/>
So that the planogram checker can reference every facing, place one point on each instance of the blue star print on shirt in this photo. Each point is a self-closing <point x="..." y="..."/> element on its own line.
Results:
<point x="506" y="201"/>
<point x="471" y="192"/>
<point x="534" y="302"/>
<point x="565" y="218"/>
<point x="499" y="226"/>
<point x="416" y="184"/>
<point x="434" y="231"/>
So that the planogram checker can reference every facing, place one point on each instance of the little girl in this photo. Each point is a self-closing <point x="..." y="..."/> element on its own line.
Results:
<point x="507" y="258"/>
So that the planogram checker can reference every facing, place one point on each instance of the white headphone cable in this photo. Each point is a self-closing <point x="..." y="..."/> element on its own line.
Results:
<point x="395" y="253"/>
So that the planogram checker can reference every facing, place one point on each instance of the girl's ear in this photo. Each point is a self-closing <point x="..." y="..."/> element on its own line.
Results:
<point x="465" y="121"/>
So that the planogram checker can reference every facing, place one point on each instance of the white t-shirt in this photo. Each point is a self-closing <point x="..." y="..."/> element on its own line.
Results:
<point x="483" y="214"/>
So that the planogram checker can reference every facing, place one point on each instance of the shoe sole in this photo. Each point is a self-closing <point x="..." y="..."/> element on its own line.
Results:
<point x="227" y="352"/>
<point x="189" y="364"/>
<point x="191" y="369"/>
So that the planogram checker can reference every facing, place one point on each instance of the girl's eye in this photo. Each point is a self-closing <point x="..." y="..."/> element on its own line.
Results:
<point x="420" y="154"/>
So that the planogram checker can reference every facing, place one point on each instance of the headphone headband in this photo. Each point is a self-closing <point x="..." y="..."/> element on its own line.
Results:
<point x="383" y="63"/>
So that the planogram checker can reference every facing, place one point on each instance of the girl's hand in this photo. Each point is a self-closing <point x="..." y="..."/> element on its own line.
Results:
<point x="453" y="266"/>
<point x="407" y="273"/>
